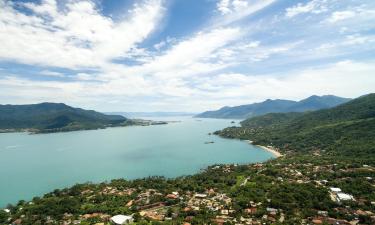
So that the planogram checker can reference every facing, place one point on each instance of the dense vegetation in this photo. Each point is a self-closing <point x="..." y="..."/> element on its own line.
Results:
<point x="275" y="106"/>
<point x="346" y="129"/>
<point x="52" y="117"/>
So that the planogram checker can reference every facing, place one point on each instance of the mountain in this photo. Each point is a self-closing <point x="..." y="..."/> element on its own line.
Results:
<point x="52" y="117"/>
<point x="348" y="128"/>
<point x="275" y="106"/>
<point x="317" y="102"/>
<point x="246" y="111"/>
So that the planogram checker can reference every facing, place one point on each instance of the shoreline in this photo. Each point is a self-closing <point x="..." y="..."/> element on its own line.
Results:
<point x="274" y="152"/>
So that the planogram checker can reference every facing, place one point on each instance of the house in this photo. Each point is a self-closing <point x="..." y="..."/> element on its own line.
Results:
<point x="344" y="197"/>
<point x="200" y="195"/>
<point x="224" y="212"/>
<point x="333" y="189"/>
<point x="251" y="210"/>
<point x="122" y="219"/>
<point x="322" y="213"/>
<point x="272" y="210"/>
<point x="172" y="196"/>
<point x="317" y="221"/>
<point x="338" y="196"/>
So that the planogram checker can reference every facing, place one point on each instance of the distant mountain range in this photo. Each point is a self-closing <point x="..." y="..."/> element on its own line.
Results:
<point x="54" y="117"/>
<point x="151" y="114"/>
<point x="275" y="106"/>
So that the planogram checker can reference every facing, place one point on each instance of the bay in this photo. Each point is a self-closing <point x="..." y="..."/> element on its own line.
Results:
<point x="32" y="165"/>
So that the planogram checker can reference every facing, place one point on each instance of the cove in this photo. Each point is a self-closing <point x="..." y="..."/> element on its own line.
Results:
<point x="32" y="165"/>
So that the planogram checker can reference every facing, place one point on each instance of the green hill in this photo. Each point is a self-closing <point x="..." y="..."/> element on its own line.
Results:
<point x="348" y="128"/>
<point x="275" y="106"/>
<point x="53" y="117"/>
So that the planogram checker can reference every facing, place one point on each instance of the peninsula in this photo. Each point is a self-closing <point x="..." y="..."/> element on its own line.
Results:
<point x="58" y="117"/>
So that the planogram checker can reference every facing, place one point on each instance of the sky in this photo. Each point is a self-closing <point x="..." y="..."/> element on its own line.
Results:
<point x="183" y="55"/>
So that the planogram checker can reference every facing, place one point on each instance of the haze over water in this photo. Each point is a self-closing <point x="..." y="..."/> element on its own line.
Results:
<point x="31" y="165"/>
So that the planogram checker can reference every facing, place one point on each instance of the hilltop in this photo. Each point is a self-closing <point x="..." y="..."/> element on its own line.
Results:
<point x="53" y="117"/>
<point x="275" y="106"/>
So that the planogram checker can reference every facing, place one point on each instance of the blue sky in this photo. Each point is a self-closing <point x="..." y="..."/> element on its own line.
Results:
<point x="179" y="55"/>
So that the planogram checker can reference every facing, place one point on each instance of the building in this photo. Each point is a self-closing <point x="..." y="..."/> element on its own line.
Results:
<point x="200" y="195"/>
<point x="344" y="197"/>
<point x="122" y="219"/>
<point x="338" y="196"/>
<point x="336" y="190"/>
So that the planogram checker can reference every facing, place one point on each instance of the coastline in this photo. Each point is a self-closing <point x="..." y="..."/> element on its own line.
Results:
<point x="274" y="152"/>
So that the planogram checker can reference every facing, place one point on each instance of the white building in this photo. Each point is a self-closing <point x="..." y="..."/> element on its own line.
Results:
<point x="333" y="189"/>
<point x="200" y="195"/>
<point x="344" y="197"/>
<point x="122" y="219"/>
<point x="338" y="196"/>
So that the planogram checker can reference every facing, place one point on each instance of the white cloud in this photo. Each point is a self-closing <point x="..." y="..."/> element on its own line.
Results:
<point x="162" y="44"/>
<point x="224" y="6"/>
<point x="253" y="51"/>
<point x="186" y="54"/>
<point x="51" y="73"/>
<point x="231" y="6"/>
<point x="188" y="57"/>
<point x="252" y="44"/>
<point x="356" y="15"/>
<point x="314" y="6"/>
<point x="85" y="77"/>
<point x="341" y="15"/>
<point x="356" y="40"/>
<point x="192" y="73"/>
<point x="78" y="36"/>
<point x="235" y="10"/>
<point x="355" y="79"/>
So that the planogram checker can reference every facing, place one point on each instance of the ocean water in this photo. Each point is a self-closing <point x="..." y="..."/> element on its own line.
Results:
<point x="32" y="165"/>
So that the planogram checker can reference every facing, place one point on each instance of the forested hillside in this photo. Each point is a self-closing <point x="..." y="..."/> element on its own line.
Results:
<point x="51" y="117"/>
<point x="348" y="128"/>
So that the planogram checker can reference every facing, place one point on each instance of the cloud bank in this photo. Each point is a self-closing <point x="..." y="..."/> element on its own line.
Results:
<point x="246" y="51"/>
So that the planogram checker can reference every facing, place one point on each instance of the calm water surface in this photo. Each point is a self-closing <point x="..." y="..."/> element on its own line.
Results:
<point x="31" y="165"/>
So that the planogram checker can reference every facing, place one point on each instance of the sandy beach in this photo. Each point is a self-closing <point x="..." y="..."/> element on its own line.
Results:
<point x="276" y="153"/>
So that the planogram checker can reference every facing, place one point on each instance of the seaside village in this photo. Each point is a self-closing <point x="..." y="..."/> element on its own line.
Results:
<point x="158" y="206"/>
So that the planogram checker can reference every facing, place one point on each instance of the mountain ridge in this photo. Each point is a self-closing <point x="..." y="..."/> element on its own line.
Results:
<point x="311" y="103"/>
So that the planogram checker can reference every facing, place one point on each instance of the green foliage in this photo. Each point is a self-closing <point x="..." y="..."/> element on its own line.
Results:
<point x="293" y="196"/>
<point x="3" y="216"/>
<point x="348" y="129"/>
<point x="52" y="117"/>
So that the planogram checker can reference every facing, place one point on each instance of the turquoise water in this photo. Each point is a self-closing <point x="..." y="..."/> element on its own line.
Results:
<point x="31" y="165"/>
